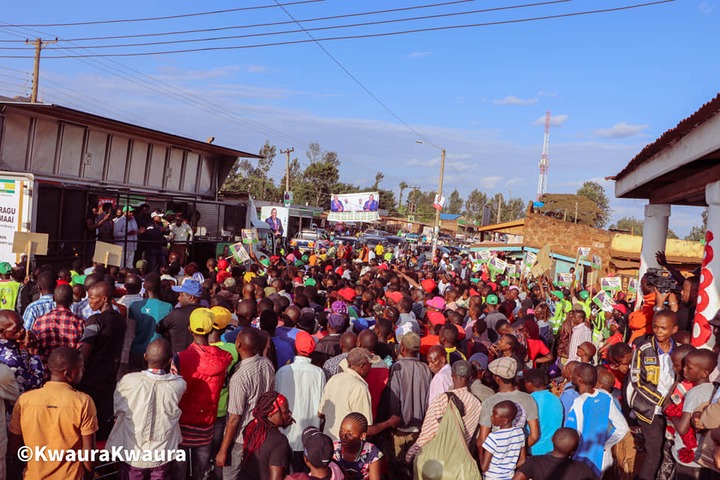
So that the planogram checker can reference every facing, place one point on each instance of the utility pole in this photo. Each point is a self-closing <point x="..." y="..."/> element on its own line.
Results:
<point x="39" y="43"/>
<point x="287" y="152"/>
<point x="576" y="211"/>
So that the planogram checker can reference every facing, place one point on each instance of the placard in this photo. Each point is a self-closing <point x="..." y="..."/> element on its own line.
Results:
<point x="596" y="262"/>
<point x="633" y="285"/>
<point x="512" y="270"/>
<point x="565" y="279"/>
<point x="483" y="256"/>
<point x="611" y="284"/>
<point x="583" y="253"/>
<point x="604" y="301"/>
<point x="529" y="260"/>
<point x="496" y="266"/>
<point x="38" y="243"/>
<point x="249" y="236"/>
<point x="282" y="215"/>
<point x="544" y="261"/>
<point x="108" y="254"/>
<point x="239" y="253"/>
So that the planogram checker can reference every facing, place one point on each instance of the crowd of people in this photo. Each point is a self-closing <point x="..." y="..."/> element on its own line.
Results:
<point x="343" y="365"/>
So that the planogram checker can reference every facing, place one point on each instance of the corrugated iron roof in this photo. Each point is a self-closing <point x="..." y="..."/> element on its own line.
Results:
<point x="673" y="135"/>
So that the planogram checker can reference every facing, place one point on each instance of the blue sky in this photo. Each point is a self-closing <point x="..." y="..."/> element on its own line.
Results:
<point x="613" y="82"/>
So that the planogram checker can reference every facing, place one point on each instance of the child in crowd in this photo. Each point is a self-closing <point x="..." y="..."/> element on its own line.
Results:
<point x="673" y="410"/>
<point x="617" y="330"/>
<point x="503" y="449"/>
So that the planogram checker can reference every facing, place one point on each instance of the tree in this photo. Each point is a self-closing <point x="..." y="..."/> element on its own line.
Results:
<point x="246" y="177"/>
<point x="595" y="192"/>
<point x="387" y="200"/>
<point x="503" y="210"/>
<point x="631" y="225"/>
<point x="403" y="186"/>
<point x="474" y="204"/>
<point x="697" y="233"/>
<point x="564" y="205"/>
<point x="379" y="178"/>
<point x="455" y="203"/>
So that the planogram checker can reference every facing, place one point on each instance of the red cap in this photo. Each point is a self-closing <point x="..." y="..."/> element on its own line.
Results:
<point x="436" y="318"/>
<point x="348" y="294"/>
<point x="428" y="285"/>
<point x="382" y="266"/>
<point x="222" y="264"/>
<point x="304" y="343"/>
<point x="620" y="308"/>
<point x="394" y="296"/>
<point x="328" y="268"/>
<point x="222" y="275"/>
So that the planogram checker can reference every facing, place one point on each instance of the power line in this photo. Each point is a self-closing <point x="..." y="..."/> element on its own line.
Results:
<point x="349" y="74"/>
<point x="362" y="36"/>
<point x="152" y="19"/>
<point x="306" y="30"/>
<point x="257" y="25"/>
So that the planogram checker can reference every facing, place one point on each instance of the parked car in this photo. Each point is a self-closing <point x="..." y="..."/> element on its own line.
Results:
<point x="310" y="239"/>
<point x="375" y="232"/>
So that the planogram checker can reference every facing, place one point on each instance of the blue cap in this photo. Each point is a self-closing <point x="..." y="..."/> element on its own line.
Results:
<point x="481" y="359"/>
<point x="191" y="287"/>
<point x="361" y="324"/>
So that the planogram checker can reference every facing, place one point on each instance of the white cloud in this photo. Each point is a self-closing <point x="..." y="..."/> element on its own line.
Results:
<point x="513" y="100"/>
<point x="555" y="120"/>
<point x="707" y="7"/>
<point x="419" y="54"/>
<point x="491" y="181"/>
<point x="620" y="130"/>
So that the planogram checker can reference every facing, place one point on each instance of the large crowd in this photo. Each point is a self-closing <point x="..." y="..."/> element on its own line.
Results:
<point x="349" y="363"/>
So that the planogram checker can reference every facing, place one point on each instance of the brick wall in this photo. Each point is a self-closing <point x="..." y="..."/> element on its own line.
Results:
<point x="564" y="238"/>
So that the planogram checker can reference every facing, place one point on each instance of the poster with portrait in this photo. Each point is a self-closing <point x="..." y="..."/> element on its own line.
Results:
<point x="354" y="207"/>
<point x="276" y="218"/>
<point x="611" y="284"/>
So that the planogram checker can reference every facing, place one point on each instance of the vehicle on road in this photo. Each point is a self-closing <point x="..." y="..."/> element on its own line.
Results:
<point x="306" y="240"/>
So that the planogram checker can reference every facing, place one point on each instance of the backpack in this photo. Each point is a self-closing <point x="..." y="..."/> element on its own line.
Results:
<point x="446" y="456"/>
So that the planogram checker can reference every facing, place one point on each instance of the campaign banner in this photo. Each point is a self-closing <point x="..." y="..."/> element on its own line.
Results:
<point x="596" y="262"/>
<point x="611" y="284"/>
<point x="496" y="266"/>
<point x="565" y="279"/>
<point x="529" y="260"/>
<point x="249" y="236"/>
<point x="512" y="270"/>
<point x="354" y="207"/>
<point x="483" y="256"/>
<point x="279" y="222"/>
<point x="439" y="202"/>
<point x="239" y="253"/>
<point x="633" y="285"/>
<point x="604" y="301"/>
<point x="583" y="253"/>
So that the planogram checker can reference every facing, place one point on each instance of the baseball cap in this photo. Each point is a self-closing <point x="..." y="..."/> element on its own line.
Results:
<point x="5" y="268"/>
<point x="436" y="318"/>
<point x="411" y="341"/>
<point x="339" y="306"/>
<point x="337" y="321"/>
<point x="558" y="294"/>
<point x="222" y="318"/>
<point x="317" y="447"/>
<point x="436" y="302"/>
<point x="394" y="296"/>
<point x="347" y="293"/>
<point x="156" y="214"/>
<point x="191" y="287"/>
<point x="503" y="367"/>
<point x="201" y="321"/>
<point x="462" y="368"/>
<point x="620" y="308"/>
<point x="428" y="285"/>
<point x="584" y="294"/>
<point x="222" y="264"/>
<point x="310" y="282"/>
<point x="306" y="322"/>
<point x="481" y="359"/>
<point x="504" y="283"/>
<point x="491" y="299"/>
<point x="304" y="343"/>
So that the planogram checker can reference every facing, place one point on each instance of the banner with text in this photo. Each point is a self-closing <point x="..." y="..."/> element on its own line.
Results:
<point x="354" y="207"/>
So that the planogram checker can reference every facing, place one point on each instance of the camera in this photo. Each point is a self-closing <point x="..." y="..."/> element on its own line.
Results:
<point x="662" y="280"/>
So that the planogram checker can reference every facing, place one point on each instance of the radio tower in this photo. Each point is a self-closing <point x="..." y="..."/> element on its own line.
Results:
<point x="542" y="179"/>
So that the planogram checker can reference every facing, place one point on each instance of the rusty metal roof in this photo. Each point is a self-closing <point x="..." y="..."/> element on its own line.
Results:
<point x="673" y="135"/>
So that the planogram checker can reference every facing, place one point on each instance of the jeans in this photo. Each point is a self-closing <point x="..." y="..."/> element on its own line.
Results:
<point x="163" y="472"/>
<point x="199" y="462"/>
<point x="217" y="441"/>
<point x="654" y="435"/>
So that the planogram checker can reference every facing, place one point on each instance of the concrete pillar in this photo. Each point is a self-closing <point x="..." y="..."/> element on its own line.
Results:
<point x="655" y="228"/>
<point x="708" y="302"/>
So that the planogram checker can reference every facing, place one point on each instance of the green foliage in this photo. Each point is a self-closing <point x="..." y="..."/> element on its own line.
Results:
<point x="595" y="192"/>
<point x="631" y="225"/>
<point x="474" y="205"/>
<point x="697" y="233"/>
<point x="563" y="206"/>
<point x="455" y="203"/>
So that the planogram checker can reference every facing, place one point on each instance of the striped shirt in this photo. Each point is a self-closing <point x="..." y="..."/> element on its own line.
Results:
<point x="505" y="446"/>
<point x="253" y="377"/>
<point x="435" y="412"/>
<point x="580" y="334"/>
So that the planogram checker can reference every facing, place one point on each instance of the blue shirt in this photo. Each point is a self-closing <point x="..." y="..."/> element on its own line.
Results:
<point x="284" y="351"/>
<point x="147" y="314"/>
<point x="567" y="397"/>
<point x="550" y="416"/>
<point x="37" y="309"/>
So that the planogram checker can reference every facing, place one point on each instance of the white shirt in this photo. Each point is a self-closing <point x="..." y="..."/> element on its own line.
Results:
<point x="441" y="383"/>
<point x="302" y="384"/>
<point x="667" y="377"/>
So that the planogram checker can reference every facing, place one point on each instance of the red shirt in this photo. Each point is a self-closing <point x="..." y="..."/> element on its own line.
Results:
<point x="536" y="348"/>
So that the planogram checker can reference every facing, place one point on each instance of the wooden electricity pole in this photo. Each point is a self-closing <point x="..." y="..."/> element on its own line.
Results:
<point x="287" y="167"/>
<point x="38" y="44"/>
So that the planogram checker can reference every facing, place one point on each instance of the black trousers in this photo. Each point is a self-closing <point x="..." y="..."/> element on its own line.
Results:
<point x="654" y="435"/>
